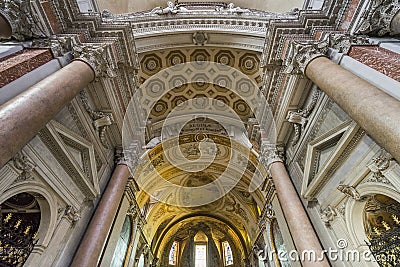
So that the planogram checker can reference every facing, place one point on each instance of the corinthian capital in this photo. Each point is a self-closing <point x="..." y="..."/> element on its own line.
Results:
<point x="378" y="19"/>
<point x="24" y="24"/>
<point x="270" y="154"/>
<point x="301" y="54"/>
<point x="96" y="57"/>
<point x="59" y="45"/>
<point x="343" y="42"/>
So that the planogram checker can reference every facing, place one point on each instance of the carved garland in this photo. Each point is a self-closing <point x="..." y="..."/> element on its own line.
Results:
<point x="101" y="120"/>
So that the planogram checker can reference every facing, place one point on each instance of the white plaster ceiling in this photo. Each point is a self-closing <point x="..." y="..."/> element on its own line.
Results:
<point x="128" y="6"/>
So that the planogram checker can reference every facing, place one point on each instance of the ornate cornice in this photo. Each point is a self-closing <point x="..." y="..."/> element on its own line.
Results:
<point x="96" y="57"/>
<point x="301" y="54"/>
<point x="378" y="18"/>
<point x="21" y="18"/>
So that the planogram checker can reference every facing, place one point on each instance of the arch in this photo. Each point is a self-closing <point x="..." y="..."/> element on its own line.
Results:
<point x="48" y="208"/>
<point x="157" y="243"/>
<point x="355" y="210"/>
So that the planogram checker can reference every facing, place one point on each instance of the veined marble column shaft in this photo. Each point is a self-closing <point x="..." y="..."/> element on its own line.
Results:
<point x="24" y="115"/>
<point x="395" y="24"/>
<point x="375" y="111"/>
<point x="303" y="234"/>
<point x="5" y="28"/>
<point x="96" y="234"/>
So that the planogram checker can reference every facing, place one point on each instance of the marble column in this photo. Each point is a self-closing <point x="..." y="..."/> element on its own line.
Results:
<point x="90" y="248"/>
<point x="374" y="110"/>
<point x="24" y="115"/>
<point x="5" y="28"/>
<point x="301" y="229"/>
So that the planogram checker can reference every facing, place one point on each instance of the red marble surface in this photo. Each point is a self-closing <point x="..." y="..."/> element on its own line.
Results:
<point x="51" y="17"/>
<point x="349" y="15"/>
<point x="22" y="62"/>
<point x="378" y="58"/>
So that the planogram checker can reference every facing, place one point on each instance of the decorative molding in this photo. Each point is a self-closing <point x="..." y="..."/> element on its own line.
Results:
<point x="22" y="163"/>
<point x="200" y="38"/>
<point x="96" y="56"/>
<point x="343" y="42"/>
<point x="299" y="119"/>
<point x="24" y="23"/>
<point x="378" y="17"/>
<point x="327" y="215"/>
<point x="301" y="54"/>
<point x="349" y="191"/>
<point x="101" y="120"/>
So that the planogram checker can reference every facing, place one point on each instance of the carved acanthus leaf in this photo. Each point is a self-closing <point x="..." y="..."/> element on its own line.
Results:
<point x="24" y="23"/>
<point x="343" y="42"/>
<point x="301" y="54"/>
<point x="378" y="17"/>
<point x="270" y="154"/>
<point x="97" y="57"/>
<point x="59" y="45"/>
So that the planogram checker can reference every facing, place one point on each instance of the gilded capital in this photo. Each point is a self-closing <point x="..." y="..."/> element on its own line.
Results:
<point x="301" y="54"/>
<point x="19" y="14"/>
<point x="97" y="57"/>
<point x="378" y="18"/>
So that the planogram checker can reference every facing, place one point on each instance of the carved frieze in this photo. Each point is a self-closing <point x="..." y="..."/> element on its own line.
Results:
<point x="301" y="54"/>
<point x="378" y="17"/>
<point x="24" y="23"/>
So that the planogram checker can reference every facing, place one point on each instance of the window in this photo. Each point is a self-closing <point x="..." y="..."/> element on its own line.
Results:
<point x="123" y="243"/>
<point x="173" y="253"/>
<point x="228" y="257"/>
<point x="201" y="256"/>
